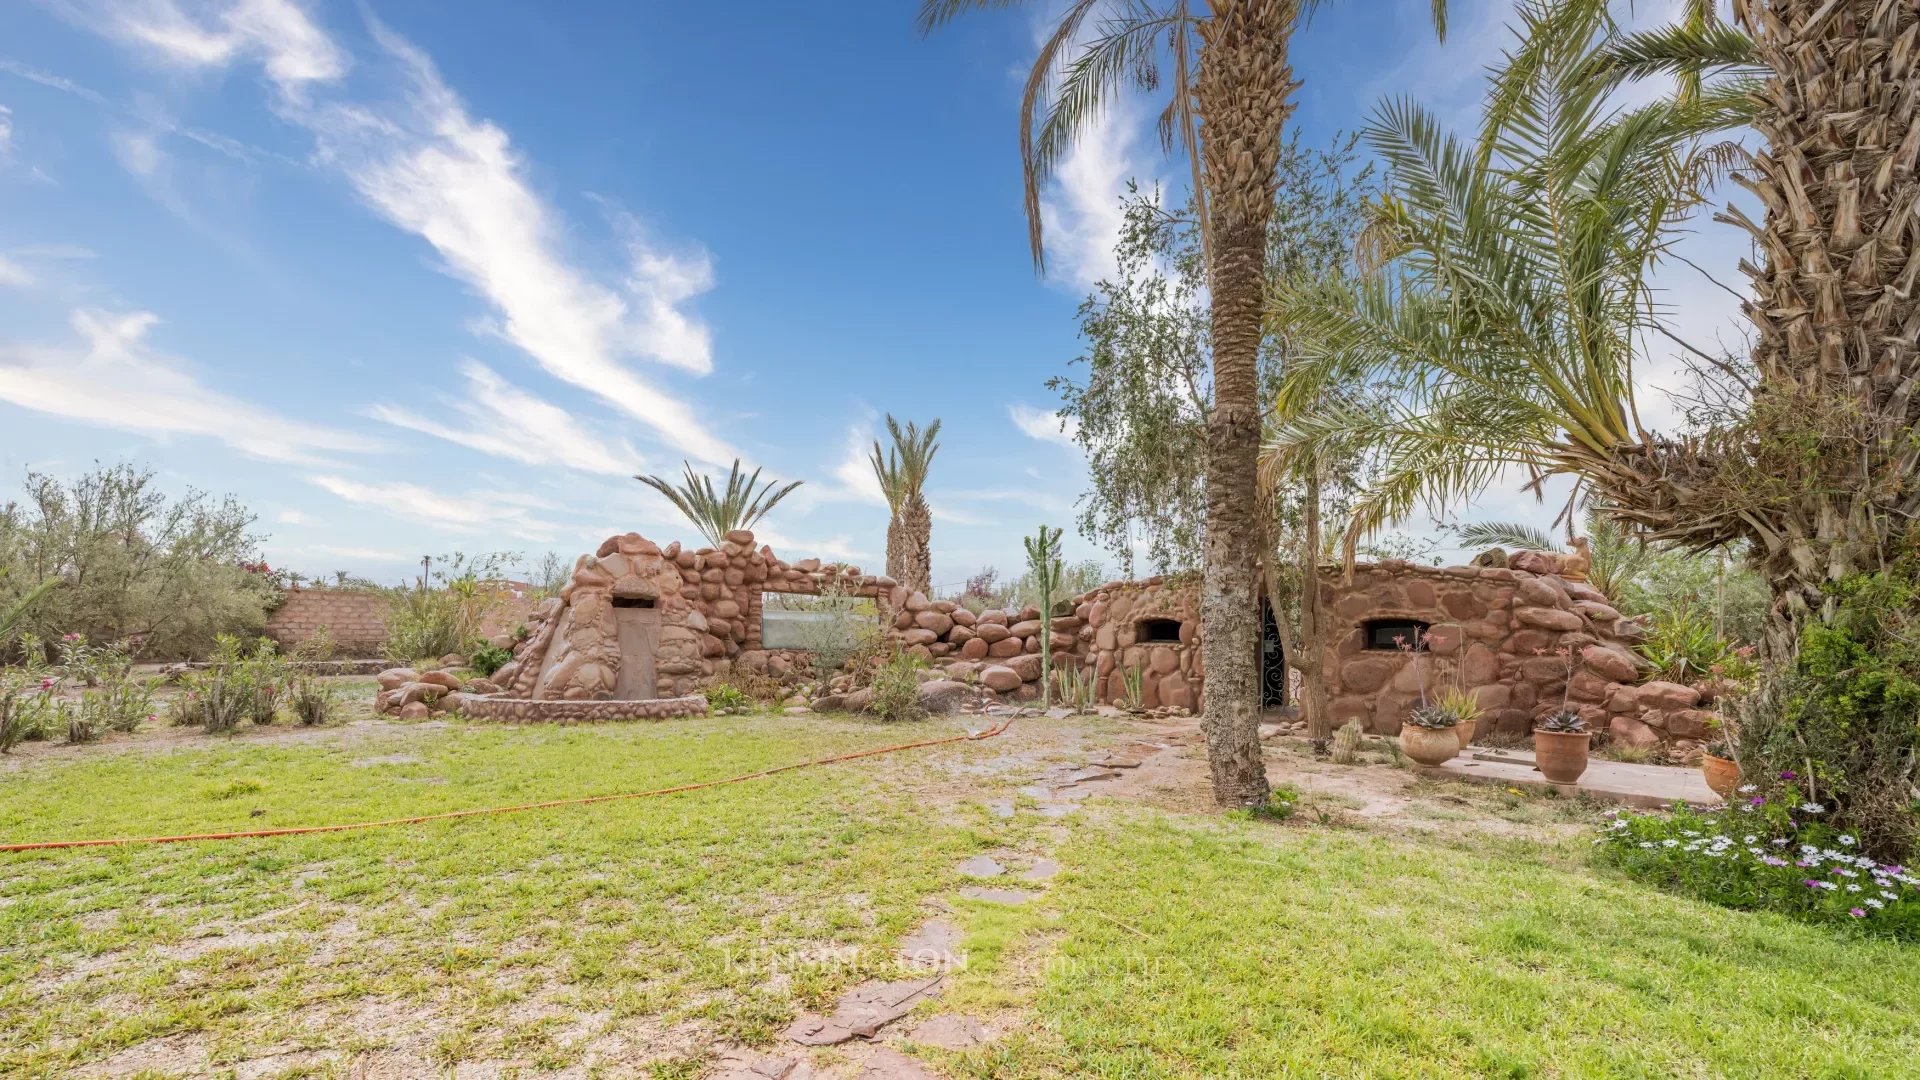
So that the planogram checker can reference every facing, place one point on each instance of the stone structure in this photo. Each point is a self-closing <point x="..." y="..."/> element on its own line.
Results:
<point x="1150" y="626"/>
<point x="357" y="619"/>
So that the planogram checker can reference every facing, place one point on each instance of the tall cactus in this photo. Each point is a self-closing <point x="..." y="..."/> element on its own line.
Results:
<point x="1043" y="558"/>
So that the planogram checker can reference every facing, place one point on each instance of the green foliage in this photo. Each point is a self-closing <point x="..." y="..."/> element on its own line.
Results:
<point x="896" y="689"/>
<point x="1043" y="563"/>
<point x="1841" y="721"/>
<point x="1074" y="579"/>
<point x="1133" y="681"/>
<point x="488" y="659"/>
<point x="1432" y="716"/>
<point x="164" y="574"/>
<point x="839" y="627"/>
<point x="1457" y="702"/>
<point x="1076" y="687"/>
<point x="111" y="697"/>
<point x="1683" y="647"/>
<point x="443" y="613"/>
<point x="1564" y="722"/>
<point x="1720" y="589"/>
<point x="726" y="698"/>
<point x="902" y="469"/>
<point x="1764" y="853"/>
<point x="714" y="513"/>
<point x="242" y="683"/>
<point x="29" y="705"/>
<point x="1137" y="405"/>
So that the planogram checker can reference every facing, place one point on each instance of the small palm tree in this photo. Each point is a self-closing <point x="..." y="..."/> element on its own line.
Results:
<point x="1618" y="558"/>
<point x="745" y="500"/>
<point x="902" y="472"/>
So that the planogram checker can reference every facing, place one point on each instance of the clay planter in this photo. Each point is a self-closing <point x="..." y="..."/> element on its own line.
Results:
<point x="1722" y="774"/>
<point x="1429" y="746"/>
<point x="1466" y="729"/>
<point x="1559" y="755"/>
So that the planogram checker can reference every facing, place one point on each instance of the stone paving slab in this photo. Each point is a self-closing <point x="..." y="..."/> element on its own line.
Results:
<point x="1648" y="787"/>
<point x="862" y="1012"/>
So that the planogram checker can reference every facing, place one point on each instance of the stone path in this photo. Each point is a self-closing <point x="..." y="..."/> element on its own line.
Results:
<point x="1646" y="786"/>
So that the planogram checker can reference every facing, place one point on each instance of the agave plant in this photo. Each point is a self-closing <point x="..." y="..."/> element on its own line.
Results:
<point x="715" y="513"/>
<point x="902" y="472"/>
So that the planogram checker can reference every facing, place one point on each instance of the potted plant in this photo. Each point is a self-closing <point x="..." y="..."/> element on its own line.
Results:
<point x="1428" y="735"/>
<point x="1717" y="764"/>
<point x="1560" y="746"/>
<point x="1465" y="709"/>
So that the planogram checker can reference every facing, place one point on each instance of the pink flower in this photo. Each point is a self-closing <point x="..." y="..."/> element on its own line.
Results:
<point x="46" y="684"/>
<point x="1857" y="913"/>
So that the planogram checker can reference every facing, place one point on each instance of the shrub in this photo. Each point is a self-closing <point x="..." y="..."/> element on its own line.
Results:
<point x="726" y="697"/>
<point x="112" y="699"/>
<point x="443" y="615"/>
<point x="1683" y="647"/>
<point x="1766" y="854"/>
<point x="840" y="630"/>
<point x="311" y="701"/>
<point x="896" y="689"/>
<point x="27" y="698"/>
<point x="488" y="659"/>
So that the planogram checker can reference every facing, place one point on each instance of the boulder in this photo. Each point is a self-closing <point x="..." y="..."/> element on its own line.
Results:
<point x="1000" y="678"/>
<point x="936" y="621"/>
<point x="990" y="632"/>
<point x="1027" y="666"/>
<point x="919" y="636"/>
<point x="1630" y="732"/>
<point x="1547" y="618"/>
<point x="415" y="710"/>
<point x="395" y="678"/>
<point x="1668" y="696"/>
<point x="442" y="678"/>
<point x="1610" y="663"/>
<point x="960" y="635"/>
<point x="1691" y="723"/>
<point x="453" y="660"/>
<point x="962" y="617"/>
<point x="975" y="649"/>
<point x="943" y="695"/>
<point x="992" y="616"/>
<point x="917" y="602"/>
<point x="1025" y="628"/>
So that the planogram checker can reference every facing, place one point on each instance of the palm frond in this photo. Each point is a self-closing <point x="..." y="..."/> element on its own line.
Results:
<point x="17" y="612"/>
<point x="1511" y="534"/>
<point x="715" y="513"/>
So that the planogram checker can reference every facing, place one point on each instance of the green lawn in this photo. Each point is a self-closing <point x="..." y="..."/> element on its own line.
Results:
<point x="1171" y="945"/>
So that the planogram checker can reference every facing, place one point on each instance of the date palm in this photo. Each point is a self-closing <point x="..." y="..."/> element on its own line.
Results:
<point x="1229" y="97"/>
<point x="902" y="473"/>
<point x="716" y="512"/>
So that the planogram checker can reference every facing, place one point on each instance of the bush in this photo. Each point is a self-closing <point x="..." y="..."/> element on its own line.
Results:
<point x="444" y="615"/>
<point x="488" y="659"/>
<point x="112" y="699"/>
<point x="727" y="698"/>
<point x="1683" y="647"/>
<point x="1775" y="854"/>
<point x="236" y="685"/>
<point x="27" y="698"/>
<point x="896" y="689"/>
<point x="311" y="701"/>
<point x="165" y="574"/>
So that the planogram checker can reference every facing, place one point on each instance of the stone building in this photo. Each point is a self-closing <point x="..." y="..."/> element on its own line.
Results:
<point x="638" y="622"/>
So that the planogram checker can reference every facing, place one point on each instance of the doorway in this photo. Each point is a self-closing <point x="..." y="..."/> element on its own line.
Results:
<point x="638" y="622"/>
<point x="1273" y="661"/>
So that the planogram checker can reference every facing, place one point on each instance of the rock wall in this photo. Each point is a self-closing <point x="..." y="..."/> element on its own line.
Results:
<point x="1116" y="642"/>
<point x="356" y="618"/>
<point x="1520" y="642"/>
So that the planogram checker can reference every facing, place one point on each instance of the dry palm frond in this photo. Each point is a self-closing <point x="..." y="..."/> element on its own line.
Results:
<point x="745" y="500"/>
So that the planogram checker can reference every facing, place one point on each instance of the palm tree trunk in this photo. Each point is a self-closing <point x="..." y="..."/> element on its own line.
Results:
<point x="1835" y="303"/>
<point x="896" y="549"/>
<point x="1242" y="92"/>
<point x="916" y="529"/>
<point x="1310" y="663"/>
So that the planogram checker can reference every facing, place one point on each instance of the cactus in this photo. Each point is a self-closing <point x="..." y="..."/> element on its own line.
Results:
<point x="1346" y="743"/>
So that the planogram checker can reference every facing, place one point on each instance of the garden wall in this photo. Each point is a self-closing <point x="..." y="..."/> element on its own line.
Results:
<point x="357" y="619"/>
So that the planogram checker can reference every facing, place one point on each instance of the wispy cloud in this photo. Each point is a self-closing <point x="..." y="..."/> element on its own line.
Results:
<point x="51" y="81"/>
<point x="430" y="168"/>
<point x="6" y="134"/>
<point x="507" y="422"/>
<point x="1043" y="425"/>
<point x="1081" y="210"/>
<point x="113" y="378"/>
<point x="479" y="513"/>
<point x="278" y="34"/>
<point x="13" y="275"/>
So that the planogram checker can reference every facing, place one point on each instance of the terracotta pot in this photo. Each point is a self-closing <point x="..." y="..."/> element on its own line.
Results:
<point x="1559" y="755"/>
<point x="1466" y="729"/>
<point x="1429" y="746"/>
<point x="1722" y="774"/>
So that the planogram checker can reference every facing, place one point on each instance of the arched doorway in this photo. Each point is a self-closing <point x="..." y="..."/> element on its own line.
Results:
<point x="1273" y="661"/>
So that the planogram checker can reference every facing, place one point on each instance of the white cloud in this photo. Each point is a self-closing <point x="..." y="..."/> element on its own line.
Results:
<point x="113" y="378"/>
<point x="6" y="133"/>
<point x="1081" y="210"/>
<point x="505" y="421"/>
<point x="51" y="81"/>
<point x="13" y="275"/>
<point x="292" y="517"/>
<point x="1045" y="426"/>
<point x="428" y="167"/>
<point x="853" y="475"/>
<point x="483" y="513"/>
<point x="276" y="33"/>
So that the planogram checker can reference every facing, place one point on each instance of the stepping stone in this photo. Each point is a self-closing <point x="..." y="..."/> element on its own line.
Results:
<point x="982" y="866"/>
<point x="1037" y="791"/>
<point x="1000" y="808"/>
<point x="1041" y="870"/>
<point x="1091" y="774"/>
<point x="933" y="947"/>
<point x="862" y="1012"/>
<point x="1055" y="810"/>
<point x="886" y="1063"/>
<point x="949" y="1031"/>
<point x="998" y="896"/>
<point x="746" y="1065"/>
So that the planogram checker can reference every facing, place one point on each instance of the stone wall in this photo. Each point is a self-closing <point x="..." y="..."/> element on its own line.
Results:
<point x="1499" y="631"/>
<point x="1116" y="643"/>
<point x="357" y="619"/>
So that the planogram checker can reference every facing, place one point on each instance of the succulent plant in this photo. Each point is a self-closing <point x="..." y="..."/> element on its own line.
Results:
<point x="1564" y="722"/>
<point x="1432" y="716"/>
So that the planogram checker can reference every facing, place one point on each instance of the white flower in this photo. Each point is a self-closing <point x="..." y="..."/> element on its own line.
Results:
<point x="1853" y="888"/>
<point x="1748" y="789"/>
<point x="1872" y="903"/>
<point x="1847" y="839"/>
<point x="1809" y="849"/>
<point x="1780" y="841"/>
<point x="1889" y="896"/>
<point x="1812" y="808"/>
<point x="1750" y="838"/>
<point x="1646" y="843"/>
<point x="1669" y="842"/>
<point x="1846" y="873"/>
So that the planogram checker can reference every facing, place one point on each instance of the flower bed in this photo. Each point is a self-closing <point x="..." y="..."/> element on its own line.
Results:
<point x="1766" y="854"/>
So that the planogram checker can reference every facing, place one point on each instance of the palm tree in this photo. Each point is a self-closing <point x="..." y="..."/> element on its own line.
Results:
<point x="1618" y="559"/>
<point x="902" y="472"/>
<point x="745" y="501"/>
<point x="1232" y="86"/>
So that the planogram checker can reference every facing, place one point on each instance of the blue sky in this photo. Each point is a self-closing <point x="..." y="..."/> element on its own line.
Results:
<point x="408" y="276"/>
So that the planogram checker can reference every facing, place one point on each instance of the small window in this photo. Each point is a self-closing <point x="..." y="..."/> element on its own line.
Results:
<point x="1161" y="630"/>
<point x="633" y="601"/>
<point x="1395" y="634"/>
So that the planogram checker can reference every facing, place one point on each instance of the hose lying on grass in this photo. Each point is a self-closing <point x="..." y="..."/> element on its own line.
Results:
<point x="303" y="830"/>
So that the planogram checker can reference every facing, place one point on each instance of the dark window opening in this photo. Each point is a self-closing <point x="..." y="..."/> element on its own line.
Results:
<point x="1163" y="630"/>
<point x="633" y="601"/>
<point x="1395" y="634"/>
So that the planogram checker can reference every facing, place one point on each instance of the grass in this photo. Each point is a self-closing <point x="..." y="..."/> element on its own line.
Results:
<point x="1171" y="945"/>
<point x="1182" y="947"/>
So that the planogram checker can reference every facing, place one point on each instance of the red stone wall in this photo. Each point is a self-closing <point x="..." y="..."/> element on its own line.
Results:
<point x="356" y="618"/>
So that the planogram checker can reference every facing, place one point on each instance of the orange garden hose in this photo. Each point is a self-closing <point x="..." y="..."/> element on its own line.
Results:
<point x="302" y="830"/>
